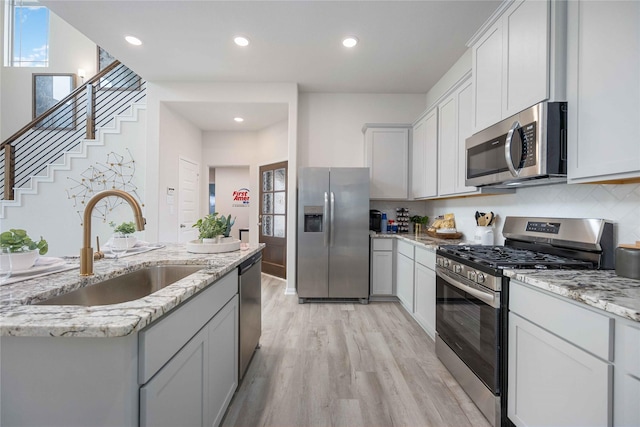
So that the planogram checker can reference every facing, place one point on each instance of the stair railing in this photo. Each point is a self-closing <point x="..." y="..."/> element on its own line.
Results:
<point x="62" y="127"/>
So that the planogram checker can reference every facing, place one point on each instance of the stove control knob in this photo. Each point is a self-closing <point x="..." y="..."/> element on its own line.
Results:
<point x="457" y="268"/>
<point x="440" y="262"/>
<point x="471" y="275"/>
<point x="446" y="263"/>
<point x="480" y="278"/>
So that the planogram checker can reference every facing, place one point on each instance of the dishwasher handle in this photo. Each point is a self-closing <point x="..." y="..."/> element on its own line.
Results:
<point x="248" y="263"/>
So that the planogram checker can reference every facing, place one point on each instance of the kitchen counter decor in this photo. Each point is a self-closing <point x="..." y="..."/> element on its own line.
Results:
<point x="227" y="244"/>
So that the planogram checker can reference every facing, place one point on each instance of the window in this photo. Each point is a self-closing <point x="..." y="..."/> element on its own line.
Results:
<point x="26" y="38"/>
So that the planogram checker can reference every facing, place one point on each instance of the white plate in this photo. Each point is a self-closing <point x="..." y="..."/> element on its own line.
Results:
<point x="42" y="264"/>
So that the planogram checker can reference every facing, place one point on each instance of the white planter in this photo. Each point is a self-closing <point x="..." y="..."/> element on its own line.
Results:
<point x="124" y="242"/>
<point x="23" y="260"/>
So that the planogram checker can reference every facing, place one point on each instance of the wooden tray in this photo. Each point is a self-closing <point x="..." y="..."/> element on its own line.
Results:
<point x="456" y="235"/>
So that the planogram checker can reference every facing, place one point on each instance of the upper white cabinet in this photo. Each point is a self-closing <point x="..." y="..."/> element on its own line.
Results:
<point x="438" y="152"/>
<point x="424" y="156"/>
<point x="603" y="90"/>
<point x="518" y="60"/>
<point x="454" y="127"/>
<point x="387" y="156"/>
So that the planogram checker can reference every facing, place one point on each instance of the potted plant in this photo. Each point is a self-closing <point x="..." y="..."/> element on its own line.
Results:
<point x="123" y="237"/>
<point x="23" y="250"/>
<point x="418" y="221"/>
<point x="210" y="227"/>
<point x="213" y="228"/>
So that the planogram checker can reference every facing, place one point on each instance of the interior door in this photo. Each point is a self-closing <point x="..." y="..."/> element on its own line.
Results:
<point x="273" y="218"/>
<point x="188" y="200"/>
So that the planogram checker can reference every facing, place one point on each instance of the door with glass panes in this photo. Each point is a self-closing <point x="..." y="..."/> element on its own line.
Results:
<point x="273" y="218"/>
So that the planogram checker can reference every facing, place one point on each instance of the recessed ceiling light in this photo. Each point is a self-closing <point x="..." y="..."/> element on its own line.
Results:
<point x="241" y="41"/>
<point x="238" y="119"/>
<point x="350" y="41"/>
<point x="133" y="40"/>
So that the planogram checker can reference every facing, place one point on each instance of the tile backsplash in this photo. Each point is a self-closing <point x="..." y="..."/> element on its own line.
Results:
<point x="617" y="203"/>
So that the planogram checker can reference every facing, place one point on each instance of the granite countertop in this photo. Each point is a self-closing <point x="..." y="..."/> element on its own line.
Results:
<point x="597" y="288"/>
<point x="18" y="317"/>
<point x="422" y="239"/>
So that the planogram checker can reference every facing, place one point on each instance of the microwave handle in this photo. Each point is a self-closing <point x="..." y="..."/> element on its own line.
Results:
<point x="507" y="149"/>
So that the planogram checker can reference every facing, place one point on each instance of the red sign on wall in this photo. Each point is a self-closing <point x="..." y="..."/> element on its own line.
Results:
<point x="241" y="198"/>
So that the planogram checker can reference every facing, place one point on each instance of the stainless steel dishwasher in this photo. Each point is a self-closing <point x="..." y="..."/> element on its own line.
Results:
<point x="250" y="291"/>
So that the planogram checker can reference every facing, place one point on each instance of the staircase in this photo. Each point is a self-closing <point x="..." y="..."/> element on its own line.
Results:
<point x="88" y="117"/>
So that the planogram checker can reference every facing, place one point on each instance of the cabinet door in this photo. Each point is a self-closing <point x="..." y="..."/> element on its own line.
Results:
<point x="465" y="116"/>
<point x="603" y="90"/>
<point x="382" y="273"/>
<point x="552" y="382"/>
<point x="487" y="76"/>
<point x="447" y="146"/>
<point x="424" y="159"/>
<point x="526" y="55"/>
<point x="388" y="160"/>
<point x="176" y="395"/>
<point x="404" y="281"/>
<point x="425" y="284"/>
<point x="223" y="360"/>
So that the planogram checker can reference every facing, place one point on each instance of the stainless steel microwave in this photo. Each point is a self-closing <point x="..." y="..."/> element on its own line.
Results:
<point x="528" y="148"/>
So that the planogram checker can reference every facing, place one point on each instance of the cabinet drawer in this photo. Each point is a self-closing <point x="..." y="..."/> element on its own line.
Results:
<point x="160" y="341"/>
<point x="628" y="354"/>
<point x="382" y="244"/>
<point x="589" y="330"/>
<point x="405" y="249"/>
<point x="426" y="257"/>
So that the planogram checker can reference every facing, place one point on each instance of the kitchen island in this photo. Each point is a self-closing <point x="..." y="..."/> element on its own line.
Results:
<point x="171" y="356"/>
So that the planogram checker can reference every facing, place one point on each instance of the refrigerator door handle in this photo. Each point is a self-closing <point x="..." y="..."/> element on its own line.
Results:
<point x="325" y="218"/>
<point x="333" y="203"/>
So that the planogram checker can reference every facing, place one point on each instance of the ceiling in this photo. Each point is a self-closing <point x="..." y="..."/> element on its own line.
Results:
<point x="405" y="46"/>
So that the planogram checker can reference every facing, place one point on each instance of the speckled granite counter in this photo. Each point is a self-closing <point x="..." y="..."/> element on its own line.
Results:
<point x="422" y="240"/>
<point x="598" y="288"/>
<point x="18" y="317"/>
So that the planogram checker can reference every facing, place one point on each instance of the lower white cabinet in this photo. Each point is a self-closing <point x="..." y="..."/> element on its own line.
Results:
<point x="425" y="290"/>
<point x="626" y="401"/>
<point x="381" y="273"/>
<point x="196" y="385"/>
<point x="404" y="274"/>
<point x="553" y="379"/>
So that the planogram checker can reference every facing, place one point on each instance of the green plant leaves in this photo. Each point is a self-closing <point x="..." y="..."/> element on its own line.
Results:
<point x="17" y="240"/>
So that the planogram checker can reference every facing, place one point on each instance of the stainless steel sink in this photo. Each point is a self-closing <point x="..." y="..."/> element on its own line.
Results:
<point x="127" y="287"/>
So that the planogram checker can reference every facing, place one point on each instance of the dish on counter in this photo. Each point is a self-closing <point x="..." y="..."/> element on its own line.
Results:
<point x="43" y="263"/>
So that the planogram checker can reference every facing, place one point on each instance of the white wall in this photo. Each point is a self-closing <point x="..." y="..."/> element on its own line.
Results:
<point x="272" y="143"/>
<point x="228" y="181"/>
<point x="68" y="50"/>
<point x="618" y="203"/>
<point x="330" y="129"/>
<point x="52" y="214"/>
<point x="167" y="92"/>
<point x="179" y="138"/>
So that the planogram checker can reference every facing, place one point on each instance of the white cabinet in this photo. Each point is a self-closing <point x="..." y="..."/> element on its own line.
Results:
<point x="626" y="394"/>
<point x="177" y="394"/>
<point x="195" y="387"/>
<point x="603" y="90"/>
<point x="518" y="61"/>
<point x="387" y="156"/>
<point x="454" y="127"/>
<point x="404" y="274"/>
<point x="425" y="290"/>
<point x="381" y="266"/>
<point x="424" y="156"/>
<point x="559" y="361"/>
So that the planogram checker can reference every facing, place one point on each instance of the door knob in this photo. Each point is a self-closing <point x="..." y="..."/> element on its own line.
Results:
<point x="182" y="226"/>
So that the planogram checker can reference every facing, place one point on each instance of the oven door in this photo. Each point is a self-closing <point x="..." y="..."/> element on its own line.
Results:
<point x="468" y="321"/>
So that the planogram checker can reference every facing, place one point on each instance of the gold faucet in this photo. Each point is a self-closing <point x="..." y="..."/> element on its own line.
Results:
<point x="86" y="253"/>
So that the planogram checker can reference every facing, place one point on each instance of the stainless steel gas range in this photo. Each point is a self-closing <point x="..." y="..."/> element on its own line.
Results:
<point x="472" y="296"/>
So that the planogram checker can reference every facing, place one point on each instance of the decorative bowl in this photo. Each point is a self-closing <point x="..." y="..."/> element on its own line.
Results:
<point x="23" y="260"/>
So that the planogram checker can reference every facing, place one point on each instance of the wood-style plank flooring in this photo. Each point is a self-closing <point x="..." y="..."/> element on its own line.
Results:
<point x="337" y="364"/>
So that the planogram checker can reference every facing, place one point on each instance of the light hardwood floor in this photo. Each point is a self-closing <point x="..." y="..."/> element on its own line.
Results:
<point x="336" y="364"/>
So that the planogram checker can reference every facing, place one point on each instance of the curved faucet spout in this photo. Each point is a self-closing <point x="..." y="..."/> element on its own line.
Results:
<point x="86" y="253"/>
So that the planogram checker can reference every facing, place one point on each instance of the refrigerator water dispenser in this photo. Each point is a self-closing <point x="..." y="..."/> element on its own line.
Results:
<point x="313" y="219"/>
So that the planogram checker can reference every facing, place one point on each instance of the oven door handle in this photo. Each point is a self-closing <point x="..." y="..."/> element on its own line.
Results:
<point x="488" y="297"/>
<point x="507" y="149"/>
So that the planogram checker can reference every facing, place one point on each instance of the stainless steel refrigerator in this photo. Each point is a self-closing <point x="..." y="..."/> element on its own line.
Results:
<point x="333" y="234"/>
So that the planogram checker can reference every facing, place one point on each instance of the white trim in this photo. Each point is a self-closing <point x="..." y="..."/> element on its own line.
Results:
<point x="489" y="22"/>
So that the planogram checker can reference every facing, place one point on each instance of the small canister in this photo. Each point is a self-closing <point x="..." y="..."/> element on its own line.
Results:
<point x="628" y="261"/>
